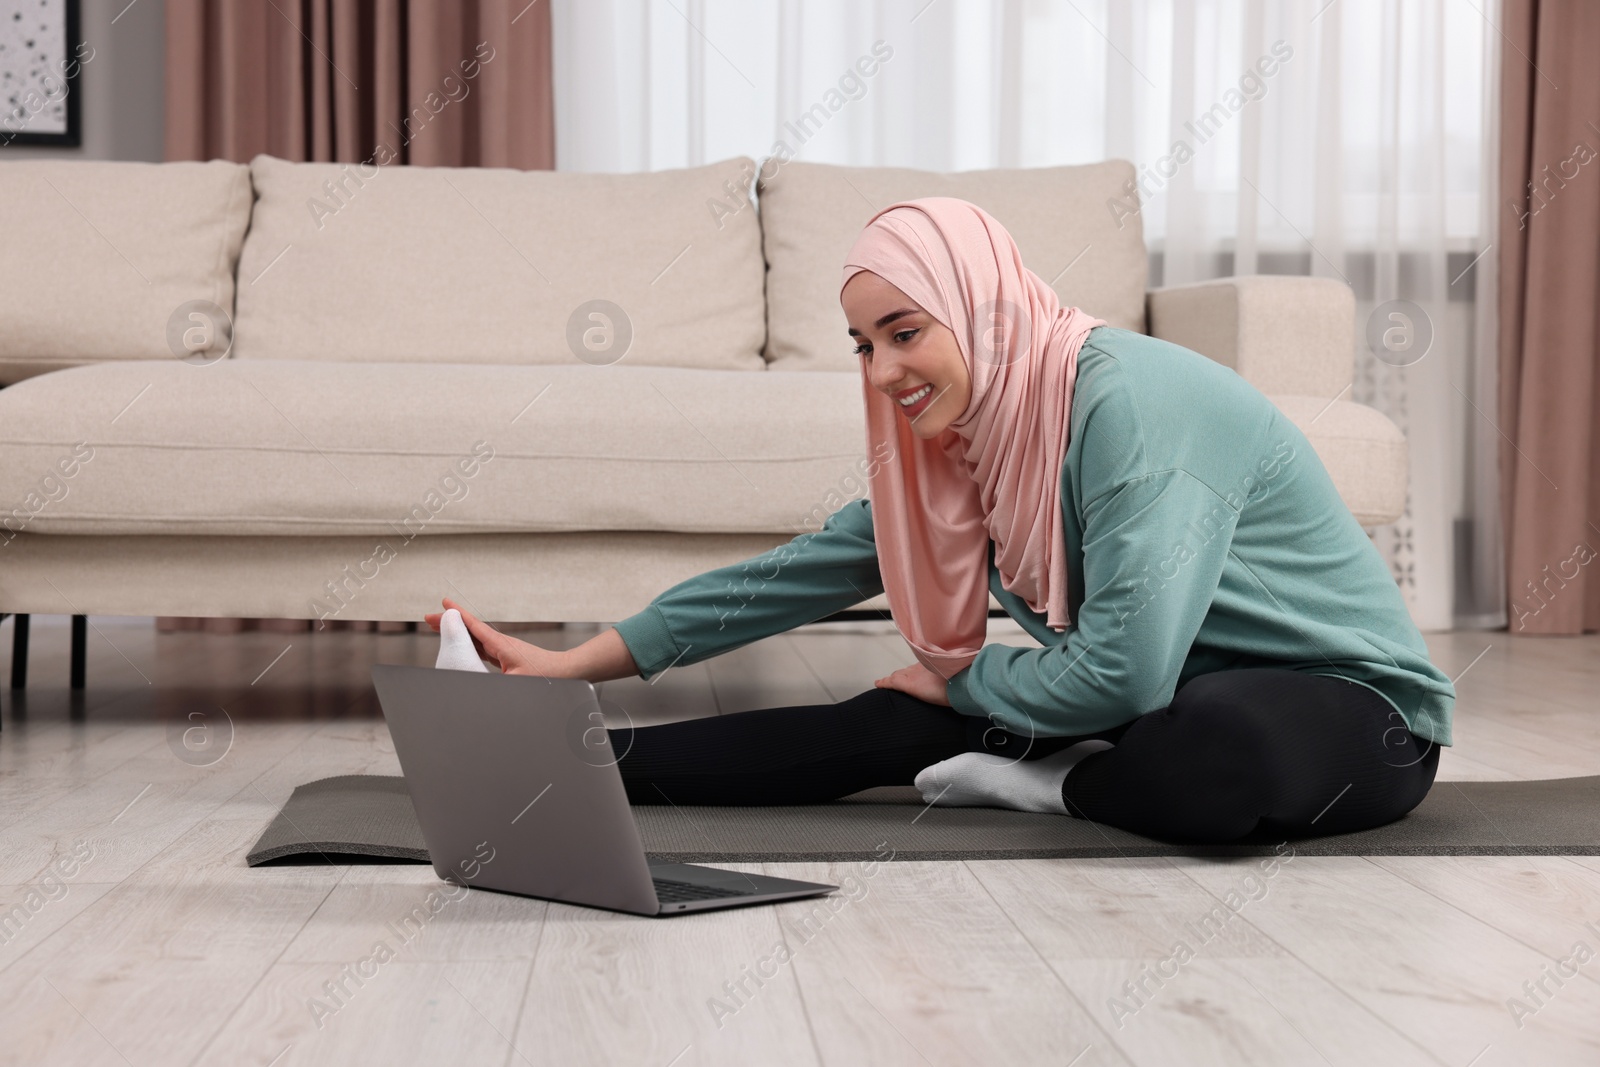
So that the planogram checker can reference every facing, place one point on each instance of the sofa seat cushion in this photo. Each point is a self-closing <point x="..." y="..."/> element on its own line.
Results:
<point x="361" y="262"/>
<point x="325" y="448"/>
<point x="103" y="259"/>
<point x="317" y="447"/>
<point x="1073" y="225"/>
<point x="1363" y="450"/>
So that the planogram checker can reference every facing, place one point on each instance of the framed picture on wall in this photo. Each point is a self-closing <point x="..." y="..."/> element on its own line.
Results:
<point x="41" y="54"/>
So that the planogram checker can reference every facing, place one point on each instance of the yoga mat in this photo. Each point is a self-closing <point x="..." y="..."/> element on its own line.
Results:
<point x="370" y="817"/>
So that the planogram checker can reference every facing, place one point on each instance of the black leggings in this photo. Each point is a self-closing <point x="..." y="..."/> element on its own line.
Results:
<point x="1262" y="748"/>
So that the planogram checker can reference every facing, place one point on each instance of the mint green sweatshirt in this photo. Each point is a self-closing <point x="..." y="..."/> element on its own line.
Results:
<point x="1202" y="534"/>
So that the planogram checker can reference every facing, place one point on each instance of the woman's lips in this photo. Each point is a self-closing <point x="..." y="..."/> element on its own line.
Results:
<point x="916" y="409"/>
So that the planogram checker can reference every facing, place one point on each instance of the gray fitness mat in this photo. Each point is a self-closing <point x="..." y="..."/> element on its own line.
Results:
<point x="370" y="817"/>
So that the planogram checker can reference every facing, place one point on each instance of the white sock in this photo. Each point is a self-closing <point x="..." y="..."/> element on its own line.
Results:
<point x="455" y="645"/>
<point x="984" y="780"/>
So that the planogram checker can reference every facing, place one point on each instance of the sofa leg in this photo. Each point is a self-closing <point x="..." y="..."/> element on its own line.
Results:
<point x="80" y="649"/>
<point x="19" y="651"/>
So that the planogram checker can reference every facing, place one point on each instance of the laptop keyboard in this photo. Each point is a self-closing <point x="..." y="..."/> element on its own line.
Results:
<point x="670" y="891"/>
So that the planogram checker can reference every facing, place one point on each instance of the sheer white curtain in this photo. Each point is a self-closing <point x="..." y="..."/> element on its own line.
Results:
<point x="1342" y="138"/>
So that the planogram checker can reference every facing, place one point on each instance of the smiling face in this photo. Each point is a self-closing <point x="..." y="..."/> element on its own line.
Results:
<point x="909" y="353"/>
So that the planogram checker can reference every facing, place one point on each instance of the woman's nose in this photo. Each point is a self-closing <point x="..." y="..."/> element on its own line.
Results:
<point x="884" y="373"/>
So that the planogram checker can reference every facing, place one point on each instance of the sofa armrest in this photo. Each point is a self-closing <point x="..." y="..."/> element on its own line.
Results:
<point x="1363" y="450"/>
<point x="1283" y="334"/>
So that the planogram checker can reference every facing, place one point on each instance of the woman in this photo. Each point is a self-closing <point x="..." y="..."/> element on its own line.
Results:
<point x="1223" y="648"/>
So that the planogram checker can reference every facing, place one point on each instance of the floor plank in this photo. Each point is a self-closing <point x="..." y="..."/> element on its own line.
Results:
<point x="1432" y="972"/>
<point x="138" y="808"/>
<point x="610" y="988"/>
<point x="915" y="963"/>
<point x="374" y="1008"/>
<point x="1549" y="903"/>
<point x="157" y="964"/>
<point x="1175" y="974"/>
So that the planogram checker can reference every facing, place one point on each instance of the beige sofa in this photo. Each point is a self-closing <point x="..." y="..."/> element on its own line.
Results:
<point x="316" y="391"/>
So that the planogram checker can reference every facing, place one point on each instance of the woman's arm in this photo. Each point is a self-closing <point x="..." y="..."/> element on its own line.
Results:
<point x="806" y="579"/>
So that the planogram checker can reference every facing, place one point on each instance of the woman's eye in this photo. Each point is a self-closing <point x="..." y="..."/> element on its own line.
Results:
<point x="861" y="350"/>
<point x="903" y="334"/>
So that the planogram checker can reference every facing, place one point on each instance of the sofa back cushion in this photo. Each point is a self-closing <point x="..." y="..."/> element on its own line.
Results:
<point x="101" y="259"/>
<point x="1074" y="226"/>
<point x="360" y="262"/>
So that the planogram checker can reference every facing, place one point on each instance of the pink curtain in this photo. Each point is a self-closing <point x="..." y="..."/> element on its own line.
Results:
<point x="1549" y="241"/>
<point x="439" y="83"/>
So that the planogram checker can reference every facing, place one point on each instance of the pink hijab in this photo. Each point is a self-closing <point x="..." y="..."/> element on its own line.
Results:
<point x="996" y="473"/>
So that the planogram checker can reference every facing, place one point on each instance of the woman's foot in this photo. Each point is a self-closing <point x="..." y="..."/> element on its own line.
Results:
<point x="455" y="645"/>
<point x="984" y="780"/>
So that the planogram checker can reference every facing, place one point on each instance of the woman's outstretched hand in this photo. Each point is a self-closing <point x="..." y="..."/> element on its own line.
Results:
<point x="918" y="681"/>
<point x="508" y="653"/>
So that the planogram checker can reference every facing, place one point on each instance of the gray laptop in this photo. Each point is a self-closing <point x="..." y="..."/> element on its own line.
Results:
<point x="517" y="789"/>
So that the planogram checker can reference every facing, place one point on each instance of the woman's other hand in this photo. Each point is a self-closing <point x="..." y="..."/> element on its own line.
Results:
<point x="918" y="681"/>
<point x="511" y="655"/>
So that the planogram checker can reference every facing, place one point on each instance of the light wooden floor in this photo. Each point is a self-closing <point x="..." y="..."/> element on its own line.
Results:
<point x="152" y="943"/>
